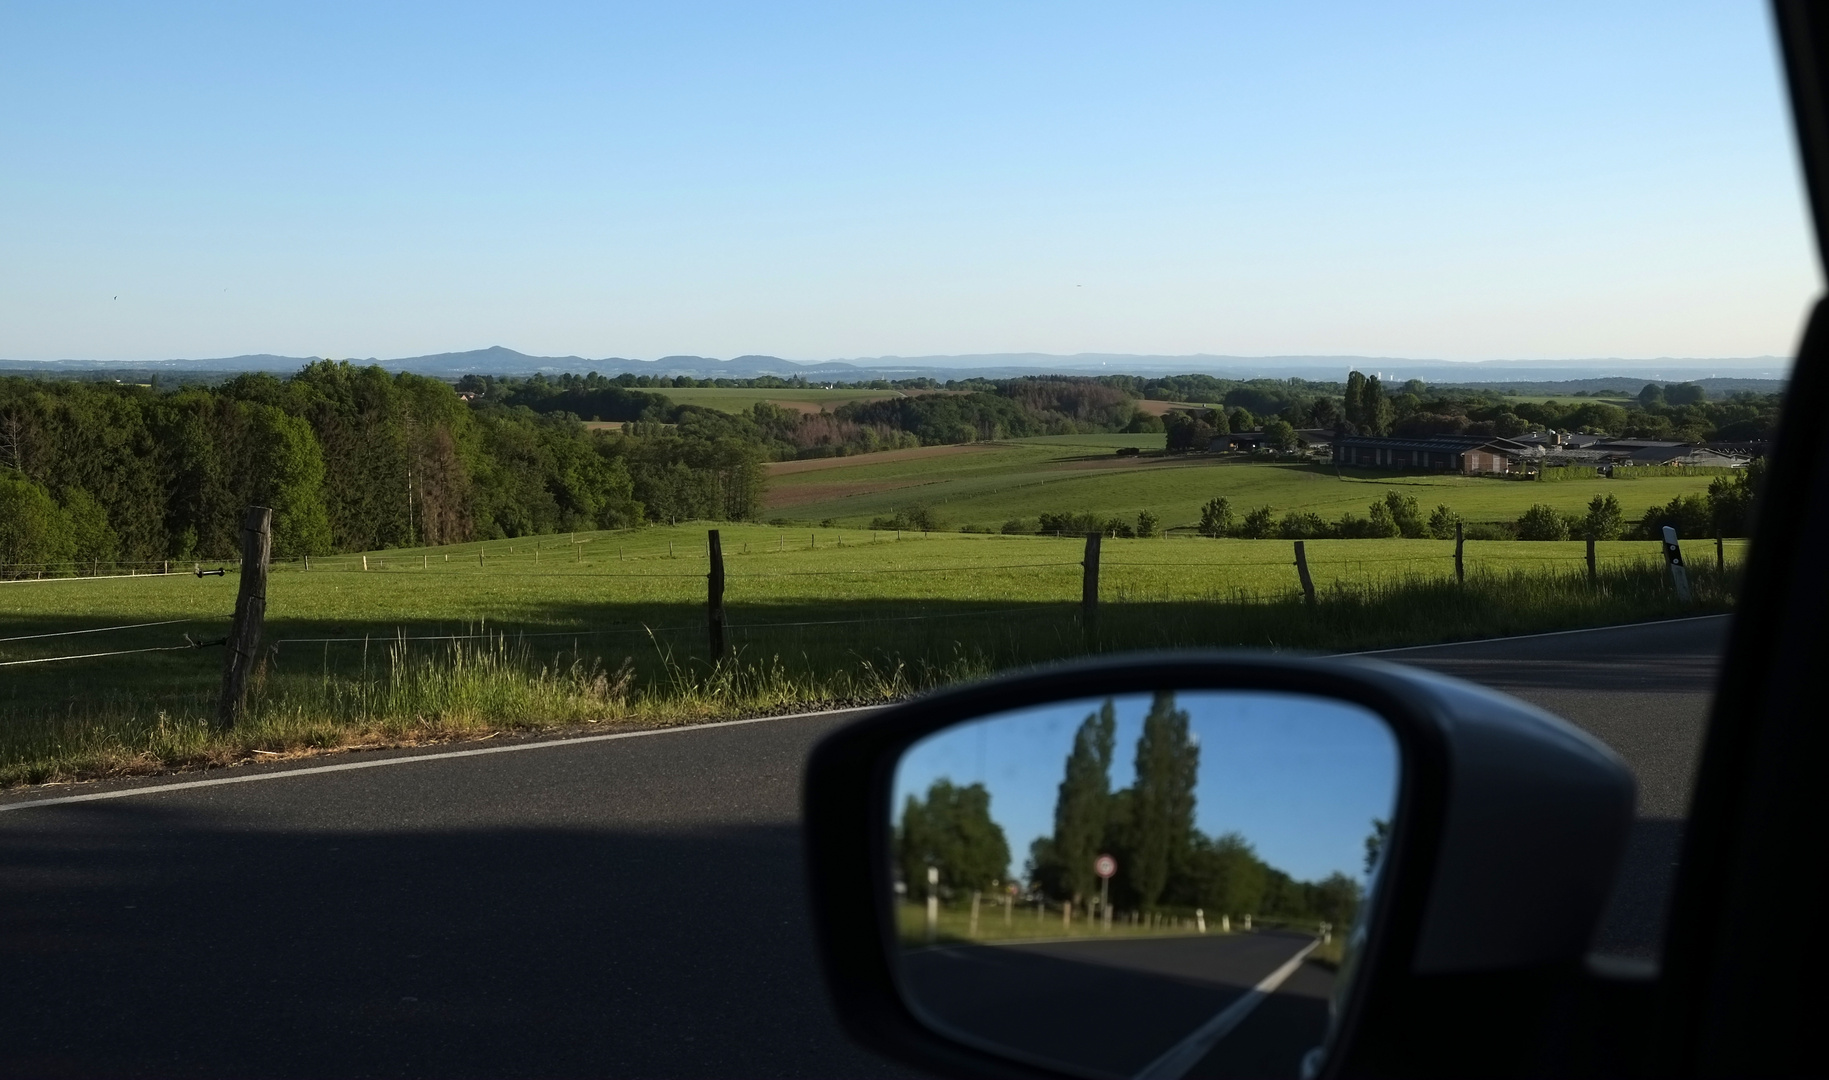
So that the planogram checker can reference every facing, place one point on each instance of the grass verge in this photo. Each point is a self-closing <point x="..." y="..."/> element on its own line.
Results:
<point x="358" y="679"/>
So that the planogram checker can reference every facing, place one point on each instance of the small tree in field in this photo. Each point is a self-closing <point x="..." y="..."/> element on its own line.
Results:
<point x="1147" y="523"/>
<point x="1258" y="525"/>
<point x="1442" y="523"/>
<point x="1216" y="518"/>
<point x="1542" y="522"/>
<point x="1604" y="519"/>
<point x="1404" y="514"/>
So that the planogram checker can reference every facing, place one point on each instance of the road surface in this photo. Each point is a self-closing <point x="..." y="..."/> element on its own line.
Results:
<point x="606" y="907"/>
<point x="1120" y="1005"/>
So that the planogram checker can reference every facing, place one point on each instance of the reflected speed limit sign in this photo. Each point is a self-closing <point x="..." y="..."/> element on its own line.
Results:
<point x="1105" y="866"/>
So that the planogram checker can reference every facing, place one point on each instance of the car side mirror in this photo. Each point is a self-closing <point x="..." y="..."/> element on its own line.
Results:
<point x="1207" y="864"/>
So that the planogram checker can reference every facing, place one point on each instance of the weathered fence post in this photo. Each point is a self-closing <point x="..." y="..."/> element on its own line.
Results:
<point x="1308" y="583"/>
<point x="1593" y="572"/>
<point x="1089" y="589"/>
<point x="250" y="614"/>
<point x="1720" y="554"/>
<point x="714" y="593"/>
<point x="1460" y="541"/>
<point x="1673" y="554"/>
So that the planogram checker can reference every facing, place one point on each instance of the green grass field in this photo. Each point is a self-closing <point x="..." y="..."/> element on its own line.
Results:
<point x="1025" y="920"/>
<point x="987" y="484"/>
<point x="447" y="643"/>
<point x="1569" y="399"/>
<point x="734" y="399"/>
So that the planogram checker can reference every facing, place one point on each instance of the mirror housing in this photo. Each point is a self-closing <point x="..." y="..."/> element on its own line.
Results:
<point x="1507" y="832"/>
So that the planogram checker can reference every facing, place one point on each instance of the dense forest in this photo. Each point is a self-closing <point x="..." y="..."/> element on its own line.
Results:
<point x="1164" y="861"/>
<point x="350" y="459"/>
<point x="353" y="458"/>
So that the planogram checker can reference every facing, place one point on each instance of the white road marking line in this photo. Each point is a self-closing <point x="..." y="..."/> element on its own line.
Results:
<point x="1184" y="1055"/>
<point x="412" y="759"/>
<point x="1527" y="637"/>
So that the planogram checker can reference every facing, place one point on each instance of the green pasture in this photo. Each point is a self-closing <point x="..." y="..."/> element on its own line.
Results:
<point x="736" y="399"/>
<point x="1026" y="920"/>
<point x="1569" y="399"/>
<point x="989" y="484"/>
<point x="522" y="635"/>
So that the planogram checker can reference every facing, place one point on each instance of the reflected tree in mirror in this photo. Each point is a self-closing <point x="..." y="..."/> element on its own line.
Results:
<point x="1246" y="833"/>
<point x="951" y="831"/>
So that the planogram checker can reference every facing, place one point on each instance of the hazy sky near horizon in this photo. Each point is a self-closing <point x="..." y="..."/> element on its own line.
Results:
<point x="814" y="181"/>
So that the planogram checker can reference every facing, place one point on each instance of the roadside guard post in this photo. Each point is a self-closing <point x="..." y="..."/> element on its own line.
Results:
<point x="1679" y="576"/>
<point x="1105" y="866"/>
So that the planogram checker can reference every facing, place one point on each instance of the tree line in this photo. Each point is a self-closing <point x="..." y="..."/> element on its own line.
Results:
<point x="977" y="409"/>
<point x="1726" y="510"/>
<point x="1164" y="861"/>
<point x="349" y="458"/>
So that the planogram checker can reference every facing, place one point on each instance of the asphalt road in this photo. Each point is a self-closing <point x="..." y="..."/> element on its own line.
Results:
<point x="1117" y="1005"/>
<point x="1643" y="690"/>
<point x="613" y="907"/>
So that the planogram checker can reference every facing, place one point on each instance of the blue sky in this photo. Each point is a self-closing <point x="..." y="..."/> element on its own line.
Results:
<point x="1300" y="777"/>
<point x="1437" y="180"/>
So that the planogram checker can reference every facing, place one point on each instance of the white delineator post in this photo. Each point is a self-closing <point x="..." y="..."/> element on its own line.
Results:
<point x="933" y="902"/>
<point x="1200" y="919"/>
<point x="1225" y="924"/>
<point x="1679" y="576"/>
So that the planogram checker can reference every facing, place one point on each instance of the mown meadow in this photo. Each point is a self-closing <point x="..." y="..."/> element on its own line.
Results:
<point x="984" y="485"/>
<point x="609" y="628"/>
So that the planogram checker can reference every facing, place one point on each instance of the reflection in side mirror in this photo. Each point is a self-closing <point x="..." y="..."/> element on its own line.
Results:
<point x="1143" y="885"/>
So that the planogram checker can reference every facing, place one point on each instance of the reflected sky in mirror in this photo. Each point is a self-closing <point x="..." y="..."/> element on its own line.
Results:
<point x="1300" y="777"/>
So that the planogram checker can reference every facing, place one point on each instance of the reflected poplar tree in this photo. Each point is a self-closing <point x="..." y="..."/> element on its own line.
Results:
<point x="1162" y="811"/>
<point x="1085" y="795"/>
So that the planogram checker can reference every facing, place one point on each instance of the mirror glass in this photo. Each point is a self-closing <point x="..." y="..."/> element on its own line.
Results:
<point x="1144" y="885"/>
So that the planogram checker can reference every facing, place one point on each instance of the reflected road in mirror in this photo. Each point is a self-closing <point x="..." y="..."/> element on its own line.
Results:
<point x="1146" y="885"/>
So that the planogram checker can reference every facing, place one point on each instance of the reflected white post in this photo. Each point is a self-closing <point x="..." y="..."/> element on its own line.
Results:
<point x="933" y="903"/>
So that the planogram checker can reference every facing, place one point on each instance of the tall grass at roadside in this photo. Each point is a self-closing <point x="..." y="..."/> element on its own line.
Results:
<point x="398" y="691"/>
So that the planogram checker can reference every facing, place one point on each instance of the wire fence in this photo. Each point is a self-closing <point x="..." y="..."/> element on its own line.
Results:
<point x="1234" y="579"/>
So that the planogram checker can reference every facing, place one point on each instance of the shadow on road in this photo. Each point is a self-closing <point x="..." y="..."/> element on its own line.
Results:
<point x="1114" y="1006"/>
<point x="149" y="941"/>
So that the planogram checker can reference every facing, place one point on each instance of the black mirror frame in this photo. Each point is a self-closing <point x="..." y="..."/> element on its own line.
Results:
<point x="853" y="768"/>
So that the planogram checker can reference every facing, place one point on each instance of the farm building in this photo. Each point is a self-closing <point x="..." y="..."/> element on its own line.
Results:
<point x="1439" y="453"/>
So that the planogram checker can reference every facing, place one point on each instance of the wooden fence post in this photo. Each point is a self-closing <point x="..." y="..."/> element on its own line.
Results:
<point x="1720" y="554"/>
<point x="1460" y="540"/>
<point x="243" y="644"/>
<point x="1593" y="572"/>
<point x="1089" y="588"/>
<point x="714" y="593"/>
<point x="1308" y="583"/>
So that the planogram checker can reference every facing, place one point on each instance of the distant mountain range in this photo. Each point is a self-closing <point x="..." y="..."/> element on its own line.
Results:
<point x="498" y="360"/>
